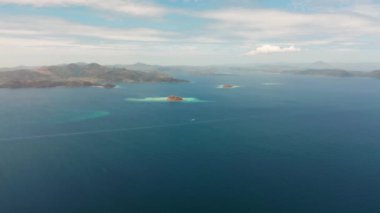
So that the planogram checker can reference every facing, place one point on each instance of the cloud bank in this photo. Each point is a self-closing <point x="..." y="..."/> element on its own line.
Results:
<point x="209" y="35"/>
<point x="127" y="6"/>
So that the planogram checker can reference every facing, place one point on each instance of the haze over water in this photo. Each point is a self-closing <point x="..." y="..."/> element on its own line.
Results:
<point x="278" y="143"/>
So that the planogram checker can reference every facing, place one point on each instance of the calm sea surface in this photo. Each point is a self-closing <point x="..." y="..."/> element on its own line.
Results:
<point x="279" y="143"/>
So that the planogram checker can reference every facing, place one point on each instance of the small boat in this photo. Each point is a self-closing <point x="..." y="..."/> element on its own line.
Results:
<point x="174" y="98"/>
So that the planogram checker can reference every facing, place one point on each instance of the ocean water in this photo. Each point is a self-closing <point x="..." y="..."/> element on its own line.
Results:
<point x="277" y="143"/>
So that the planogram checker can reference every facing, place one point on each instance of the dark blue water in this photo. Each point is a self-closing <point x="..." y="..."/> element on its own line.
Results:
<point x="304" y="144"/>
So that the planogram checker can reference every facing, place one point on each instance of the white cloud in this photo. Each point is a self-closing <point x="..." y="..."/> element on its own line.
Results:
<point x="223" y="34"/>
<point x="42" y="27"/>
<point x="268" y="49"/>
<point x="47" y="28"/>
<point x="370" y="10"/>
<point x="262" y="26"/>
<point x="7" y="42"/>
<point x="128" y="6"/>
<point x="32" y="40"/>
<point x="327" y="4"/>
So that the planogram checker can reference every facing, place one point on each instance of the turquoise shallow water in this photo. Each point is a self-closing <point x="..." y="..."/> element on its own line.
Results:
<point x="279" y="143"/>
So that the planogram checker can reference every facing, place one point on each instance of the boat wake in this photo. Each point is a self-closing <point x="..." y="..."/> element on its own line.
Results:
<point x="94" y="132"/>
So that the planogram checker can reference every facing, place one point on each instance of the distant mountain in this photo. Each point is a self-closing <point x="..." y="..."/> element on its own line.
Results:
<point x="357" y="66"/>
<point x="325" y="72"/>
<point x="181" y="69"/>
<point x="374" y="74"/>
<point x="77" y="75"/>
<point x="318" y="68"/>
<point x="335" y="73"/>
<point x="144" y="67"/>
<point x="16" y="68"/>
<point x="320" y="65"/>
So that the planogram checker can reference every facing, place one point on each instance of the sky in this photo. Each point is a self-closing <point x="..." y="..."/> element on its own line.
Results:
<point x="188" y="32"/>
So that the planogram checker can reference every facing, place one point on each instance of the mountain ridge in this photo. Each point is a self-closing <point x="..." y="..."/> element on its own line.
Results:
<point x="78" y="75"/>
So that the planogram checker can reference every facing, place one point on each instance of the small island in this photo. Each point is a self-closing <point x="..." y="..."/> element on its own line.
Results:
<point x="106" y="86"/>
<point x="167" y="99"/>
<point x="173" y="98"/>
<point x="79" y="75"/>
<point x="228" y="86"/>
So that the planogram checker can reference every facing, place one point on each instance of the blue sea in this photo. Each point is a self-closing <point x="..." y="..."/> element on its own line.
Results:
<point x="277" y="143"/>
